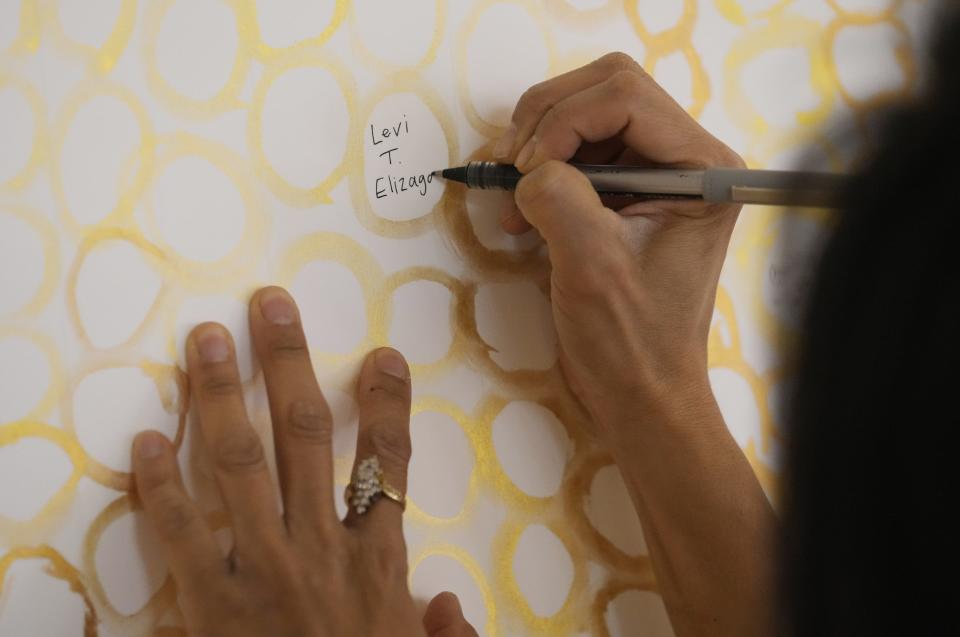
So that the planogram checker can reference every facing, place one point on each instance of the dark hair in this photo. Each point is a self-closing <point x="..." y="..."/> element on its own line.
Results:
<point x="870" y="484"/>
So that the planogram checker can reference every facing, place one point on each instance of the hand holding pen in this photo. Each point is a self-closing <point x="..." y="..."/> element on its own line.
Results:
<point x="653" y="253"/>
<point x="633" y="295"/>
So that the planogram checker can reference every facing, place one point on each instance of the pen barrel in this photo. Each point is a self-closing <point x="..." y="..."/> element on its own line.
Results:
<point x="774" y="187"/>
<point x="716" y="185"/>
<point x="606" y="180"/>
<point x="488" y="175"/>
<point x="643" y="182"/>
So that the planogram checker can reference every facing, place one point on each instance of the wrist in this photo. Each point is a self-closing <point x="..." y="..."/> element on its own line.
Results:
<point x="645" y="409"/>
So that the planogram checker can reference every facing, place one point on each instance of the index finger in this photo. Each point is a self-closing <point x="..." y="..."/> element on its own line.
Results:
<point x="189" y="545"/>
<point x="540" y="98"/>
<point x="634" y="108"/>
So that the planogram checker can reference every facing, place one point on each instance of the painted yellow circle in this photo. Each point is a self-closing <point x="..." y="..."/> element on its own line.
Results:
<point x="290" y="193"/>
<point x="13" y="532"/>
<point x="37" y="155"/>
<point x="225" y="99"/>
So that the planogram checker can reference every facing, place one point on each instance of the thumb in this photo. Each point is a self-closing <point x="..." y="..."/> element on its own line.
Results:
<point x="444" y="618"/>
<point x="559" y="201"/>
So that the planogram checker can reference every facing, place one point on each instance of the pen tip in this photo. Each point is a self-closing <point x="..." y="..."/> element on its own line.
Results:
<point x="437" y="173"/>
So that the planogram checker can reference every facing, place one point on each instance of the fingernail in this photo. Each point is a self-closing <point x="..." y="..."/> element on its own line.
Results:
<point x="390" y="362"/>
<point x="526" y="152"/>
<point x="149" y="445"/>
<point x="277" y="307"/>
<point x="508" y="213"/>
<point x="212" y="346"/>
<point x="505" y="144"/>
<point x="514" y="224"/>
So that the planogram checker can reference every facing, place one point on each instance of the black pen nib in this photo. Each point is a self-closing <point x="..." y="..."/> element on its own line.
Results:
<point x="453" y="174"/>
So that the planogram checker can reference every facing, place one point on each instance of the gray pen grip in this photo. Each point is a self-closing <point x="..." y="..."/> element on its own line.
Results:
<point x="773" y="187"/>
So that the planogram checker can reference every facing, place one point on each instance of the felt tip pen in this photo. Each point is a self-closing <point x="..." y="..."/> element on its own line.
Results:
<point x="715" y="185"/>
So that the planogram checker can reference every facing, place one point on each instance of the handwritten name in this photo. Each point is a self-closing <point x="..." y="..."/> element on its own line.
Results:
<point x="391" y="138"/>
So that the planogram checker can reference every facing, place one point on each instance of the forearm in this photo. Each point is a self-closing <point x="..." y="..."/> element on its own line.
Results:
<point x="641" y="286"/>
<point x="709" y="527"/>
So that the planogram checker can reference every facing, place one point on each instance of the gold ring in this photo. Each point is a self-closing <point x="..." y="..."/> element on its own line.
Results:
<point x="367" y="486"/>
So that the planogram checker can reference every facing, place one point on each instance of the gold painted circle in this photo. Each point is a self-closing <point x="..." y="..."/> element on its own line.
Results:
<point x="51" y="257"/>
<point x="289" y="193"/>
<point x="27" y="40"/>
<point x="236" y="265"/>
<point x="470" y="565"/>
<point x="152" y="254"/>
<point x="51" y="352"/>
<point x="903" y="54"/>
<point x="226" y="99"/>
<point x="343" y="250"/>
<point x="100" y="59"/>
<point x="733" y="11"/>
<point x="492" y="264"/>
<point x="159" y="373"/>
<point x="460" y="329"/>
<point x="469" y="428"/>
<point x="250" y="31"/>
<point x="37" y="155"/>
<point x="30" y="532"/>
<point x="570" y="615"/>
<point x="767" y="139"/>
<point x="602" y="549"/>
<point x="384" y="66"/>
<point x="594" y="18"/>
<point x="59" y="568"/>
<point x="496" y="476"/>
<point x="158" y="604"/>
<point x="460" y="57"/>
<point x="139" y="169"/>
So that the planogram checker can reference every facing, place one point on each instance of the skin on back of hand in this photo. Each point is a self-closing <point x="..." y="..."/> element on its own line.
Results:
<point x="300" y="571"/>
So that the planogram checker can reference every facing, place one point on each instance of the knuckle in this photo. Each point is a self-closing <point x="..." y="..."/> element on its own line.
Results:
<point x="555" y="116"/>
<point x="626" y="85"/>
<point x="216" y="385"/>
<point x="239" y="451"/>
<point x="618" y="61"/>
<point x="705" y="151"/>
<point x="390" y="560"/>
<point x="309" y="422"/>
<point x="289" y="343"/>
<point x="533" y="102"/>
<point x="540" y="185"/>
<point x="391" y="443"/>
<point x="152" y="480"/>
<point x="726" y="157"/>
<point x="173" y="516"/>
